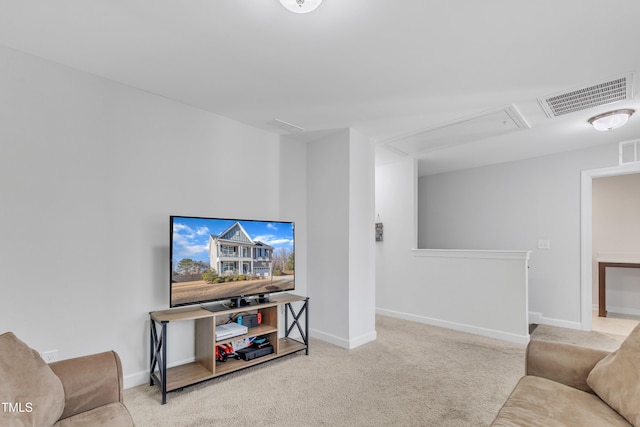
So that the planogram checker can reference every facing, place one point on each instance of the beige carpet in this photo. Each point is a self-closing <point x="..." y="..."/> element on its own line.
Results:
<point x="603" y="341"/>
<point x="412" y="375"/>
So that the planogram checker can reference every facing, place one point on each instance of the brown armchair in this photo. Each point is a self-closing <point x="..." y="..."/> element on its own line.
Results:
<point x="569" y="385"/>
<point x="81" y="391"/>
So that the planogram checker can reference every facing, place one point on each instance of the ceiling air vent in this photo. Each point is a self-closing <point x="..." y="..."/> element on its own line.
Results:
<point x="288" y="127"/>
<point x="602" y="93"/>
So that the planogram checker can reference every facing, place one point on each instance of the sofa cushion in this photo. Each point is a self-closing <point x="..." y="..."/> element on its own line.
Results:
<point x="616" y="378"/>
<point x="541" y="402"/>
<point x="111" y="415"/>
<point x="27" y="383"/>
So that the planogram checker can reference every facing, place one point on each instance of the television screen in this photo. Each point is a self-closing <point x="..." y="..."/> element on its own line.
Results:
<point x="215" y="259"/>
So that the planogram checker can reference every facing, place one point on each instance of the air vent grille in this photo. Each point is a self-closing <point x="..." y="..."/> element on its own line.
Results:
<point x="285" y="126"/>
<point x="592" y="96"/>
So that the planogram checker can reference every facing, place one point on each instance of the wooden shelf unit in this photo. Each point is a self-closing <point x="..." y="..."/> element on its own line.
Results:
<point x="205" y="366"/>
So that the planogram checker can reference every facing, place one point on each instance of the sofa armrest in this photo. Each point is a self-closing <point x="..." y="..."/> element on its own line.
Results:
<point x="564" y="363"/>
<point x="89" y="381"/>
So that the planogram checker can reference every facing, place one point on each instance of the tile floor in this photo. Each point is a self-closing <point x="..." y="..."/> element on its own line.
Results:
<point x="617" y="324"/>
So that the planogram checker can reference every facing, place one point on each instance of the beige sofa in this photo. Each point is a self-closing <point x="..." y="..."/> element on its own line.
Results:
<point x="568" y="385"/>
<point x="84" y="391"/>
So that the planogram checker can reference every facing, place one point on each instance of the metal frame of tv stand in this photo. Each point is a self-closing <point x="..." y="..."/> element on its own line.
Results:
<point x="158" y="339"/>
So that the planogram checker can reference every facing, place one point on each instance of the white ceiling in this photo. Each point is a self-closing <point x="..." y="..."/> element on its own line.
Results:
<point x="389" y="69"/>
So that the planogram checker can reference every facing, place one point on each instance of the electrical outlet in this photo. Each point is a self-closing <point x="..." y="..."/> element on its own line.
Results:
<point x="50" y="356"/>
<point x="544" y="244"/>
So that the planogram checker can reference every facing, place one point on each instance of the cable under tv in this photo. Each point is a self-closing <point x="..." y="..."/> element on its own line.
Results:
<point x="230" y="330"/>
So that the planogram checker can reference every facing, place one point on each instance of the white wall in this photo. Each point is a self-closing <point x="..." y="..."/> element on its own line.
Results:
<point x="396" y="198"/>
<point x="293" y="206"/>
<point x="481" y="292"/>
<point x="362" y="280"/>
<point x="328" y="250"/>
<point x="90" y="171"/>
<point x="616" y="232"/>
<point x="340" y="203"/>
<point x="512" y="206"/>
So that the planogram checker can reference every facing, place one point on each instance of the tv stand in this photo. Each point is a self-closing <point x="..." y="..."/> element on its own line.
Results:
<point x="205" y="366"/>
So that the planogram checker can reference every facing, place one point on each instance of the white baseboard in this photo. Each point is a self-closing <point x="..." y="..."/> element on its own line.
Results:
<point x="490" y="333"/>
<point x="342" y="342"/>
<point x="362" y="339"/>
<point x="535" y="317"/>
<point x="139" y="378"/>
<point x="539" y="319"/>
<point x="623" y="310"/>
<point x="134" y="380"/>
<point x="331" y="339"/>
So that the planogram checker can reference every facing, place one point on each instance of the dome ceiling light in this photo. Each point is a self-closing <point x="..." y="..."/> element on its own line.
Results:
<point x="611" y="120"/>
<point x="301" y="6"/>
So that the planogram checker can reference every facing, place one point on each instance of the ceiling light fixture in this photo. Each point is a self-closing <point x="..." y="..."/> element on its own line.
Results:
<point x="611" y="120"/>
<point x="301" y="6"/>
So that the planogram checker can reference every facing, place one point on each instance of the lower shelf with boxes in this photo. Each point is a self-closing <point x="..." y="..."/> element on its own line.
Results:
<point x="248" y="348"/>
<point x="244" y="349"/>
<point x="227" y="340"/>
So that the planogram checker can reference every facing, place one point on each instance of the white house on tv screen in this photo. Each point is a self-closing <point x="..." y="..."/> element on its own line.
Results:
<point x="234" y="252"/>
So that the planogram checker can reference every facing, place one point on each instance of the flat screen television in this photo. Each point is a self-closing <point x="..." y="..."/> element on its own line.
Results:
<point x="217" y="259"/>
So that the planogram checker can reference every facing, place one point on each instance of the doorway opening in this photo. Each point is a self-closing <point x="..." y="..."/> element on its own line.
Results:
<point x="586" y="238"/>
